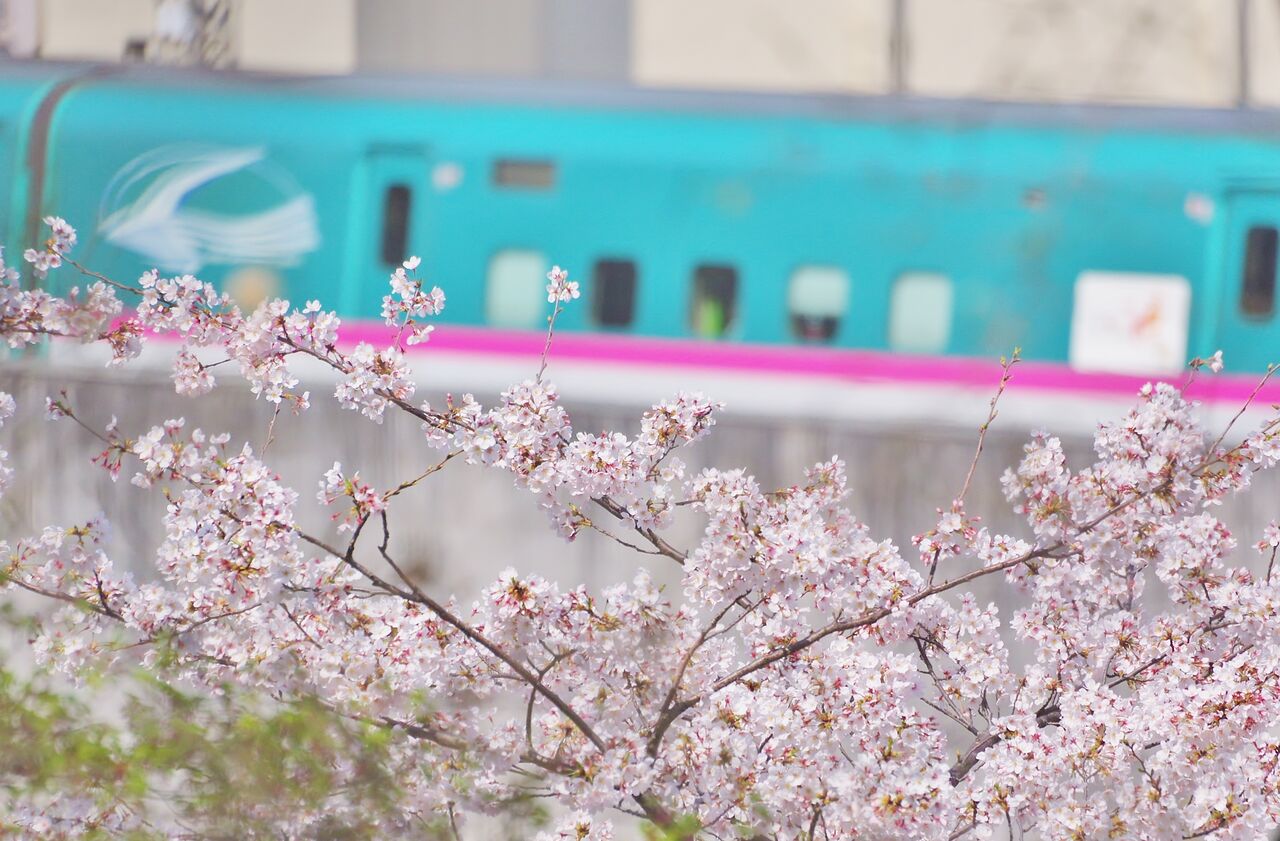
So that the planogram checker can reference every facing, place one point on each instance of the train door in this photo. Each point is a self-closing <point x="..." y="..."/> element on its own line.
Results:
<point x="1248" y="323"/>
<point x="390" y="223"/>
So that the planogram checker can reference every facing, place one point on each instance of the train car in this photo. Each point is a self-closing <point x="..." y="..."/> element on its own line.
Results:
<point x="27" y="92"/>
<point x="828" y="240"/>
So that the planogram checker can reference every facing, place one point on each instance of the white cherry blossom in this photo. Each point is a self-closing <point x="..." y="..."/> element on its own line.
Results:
<point x="804" y="680"/>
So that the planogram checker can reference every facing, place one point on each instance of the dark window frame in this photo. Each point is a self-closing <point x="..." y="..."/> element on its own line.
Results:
<point x="615" y="282"/>
<point x="397" y="212"/>
<point x="1258" y="272"/>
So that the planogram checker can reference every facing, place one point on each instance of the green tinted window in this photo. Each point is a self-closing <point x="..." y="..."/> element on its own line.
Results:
<point x="715" y="294"/>
<point x="515" y="292"/>
<point x="920" y="313"/>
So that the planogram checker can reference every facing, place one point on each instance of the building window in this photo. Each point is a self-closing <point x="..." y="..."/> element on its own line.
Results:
<point x="395" y="224"/>
<point x="715" y="294"/>
<point x="1258" y="284"/>
<point x="817" y="300"/>
<point x="524" y="175"/>
<point x="613" y="296"/>
<point x="920" y="313"/>
<point x="515" y="292"/>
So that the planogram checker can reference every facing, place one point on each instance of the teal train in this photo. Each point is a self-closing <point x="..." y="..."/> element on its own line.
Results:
<point x="788" y="232"/>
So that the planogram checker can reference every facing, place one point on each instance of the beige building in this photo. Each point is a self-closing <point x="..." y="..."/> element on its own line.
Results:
<point x="1194" y="52"/>
<point x="292" y="36"/>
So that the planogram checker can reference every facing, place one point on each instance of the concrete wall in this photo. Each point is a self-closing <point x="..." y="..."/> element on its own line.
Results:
<point x="465" y="524"/>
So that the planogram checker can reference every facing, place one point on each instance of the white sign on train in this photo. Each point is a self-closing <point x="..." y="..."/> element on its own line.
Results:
<point x="1130" y="323"/>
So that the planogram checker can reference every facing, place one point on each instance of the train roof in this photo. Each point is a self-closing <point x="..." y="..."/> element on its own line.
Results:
<point x="831" y="107"/>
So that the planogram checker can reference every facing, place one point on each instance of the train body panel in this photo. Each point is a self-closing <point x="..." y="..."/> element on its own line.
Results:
<point x="872" y="225"/>
<point x="23" y="91"/>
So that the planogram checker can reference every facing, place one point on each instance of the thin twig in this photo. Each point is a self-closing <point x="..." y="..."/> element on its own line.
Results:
<point x="1271" y="369"/>
<point x="546" y="348"/>
<point x="271" y="430"/>
<point x="435" y="468"/>
<point x="1006" y="374"/>
<point x="123" y="287"/>
<point x="662" y="546"/>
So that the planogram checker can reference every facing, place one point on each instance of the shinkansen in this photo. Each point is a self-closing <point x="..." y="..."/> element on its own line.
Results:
<point x="825" y="236"/>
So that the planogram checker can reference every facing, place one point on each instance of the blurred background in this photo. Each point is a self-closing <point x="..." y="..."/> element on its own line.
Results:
<point x="1191" y="52"/>
<point x="834" y="215"/>
<point x="1091" y="180"/>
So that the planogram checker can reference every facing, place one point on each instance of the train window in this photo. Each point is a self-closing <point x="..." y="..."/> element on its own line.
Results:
<point x="715" y="293"/>
<point x="515" y="291"/>
<point x="817" y="299"/>
<point x="613" y="293"/>
<point x="524" y="174"/>
<point x="920" y="312"/>
<point x="1258" y="285"/>
<point x="395" y="224"/>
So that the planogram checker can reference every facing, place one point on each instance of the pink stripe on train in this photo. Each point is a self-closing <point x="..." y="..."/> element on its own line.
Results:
<point x="865" y="366"/>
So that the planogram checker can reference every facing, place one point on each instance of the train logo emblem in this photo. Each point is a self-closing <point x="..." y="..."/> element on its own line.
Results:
<point x="185" y="207"/>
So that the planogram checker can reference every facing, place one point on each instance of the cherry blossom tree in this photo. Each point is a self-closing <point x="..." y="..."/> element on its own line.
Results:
<point x="807" y="681"/>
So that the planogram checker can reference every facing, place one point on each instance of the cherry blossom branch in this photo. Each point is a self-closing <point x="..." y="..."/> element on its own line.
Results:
<point x="1006" y="374"/>
<point x="556" y="659"/>
<point x="83" y="604"/>
<point x="922" y="642"/>
<point x="665" y="717"/>
<point x="617" y="666"/>
<point x="546" y="347"/>
<point x="1271" y="369"/>
<point x="656" y="540"/>
<point x="862" y="621"/>
<point x="559" y="291"/>
<point x="415" y="594"/>
<point x="874" y="616"/>
<point x="966" y="763"/>
<point x="412" y="483"/>
<point x="173" y="633"/>
<point x="598" y="529"/>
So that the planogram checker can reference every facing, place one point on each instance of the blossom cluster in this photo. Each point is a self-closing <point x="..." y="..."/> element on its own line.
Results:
<point x="61" y="239"/>
<point x="88" y="315"/>
<point x="560" y="290"/>
<point x="805" y="680"/>
<point x="408" y="303"/>
<point x="364" y="500"/>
